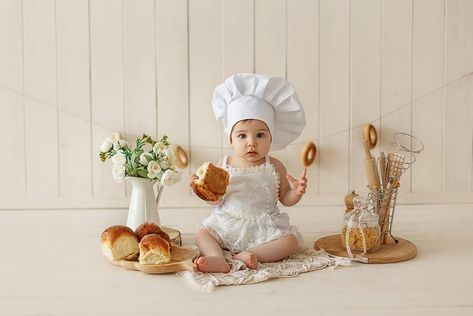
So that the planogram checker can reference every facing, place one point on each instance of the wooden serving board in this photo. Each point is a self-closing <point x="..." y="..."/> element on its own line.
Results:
<point x="389" y="253"/>
<point x="181" y="260"/>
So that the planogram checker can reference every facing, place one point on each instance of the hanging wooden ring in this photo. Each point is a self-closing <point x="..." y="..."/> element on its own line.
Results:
<point x="181" y="161"/>
<point x="369" y="133"/>
<point x="308" y="154"/>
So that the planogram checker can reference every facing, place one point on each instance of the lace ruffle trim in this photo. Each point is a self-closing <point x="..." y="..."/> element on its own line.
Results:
<point x="246" y="170"/>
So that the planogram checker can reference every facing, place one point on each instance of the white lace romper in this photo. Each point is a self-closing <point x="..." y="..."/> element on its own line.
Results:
<point x="248" y="215"/>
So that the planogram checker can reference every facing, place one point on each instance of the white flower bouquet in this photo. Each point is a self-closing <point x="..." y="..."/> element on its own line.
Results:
<point x="152" y="160"/>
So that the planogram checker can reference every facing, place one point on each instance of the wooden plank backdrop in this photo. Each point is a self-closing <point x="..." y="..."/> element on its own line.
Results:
<point x="205" y="73"/>
<point x="107" y="83"/>
<point x="458" y="110"/>
<point x="303" y="72"/>
<point x="74" y="72"/>
<point x="365" y="81"/>
<point x="427" y="104"/>
<point x="12" y="102"/>
<point x="334" y="96"/>
<point x="41" y="109"/>
<point x="172" y="85"/>
<point x="396" y="74"/>
<point x="73" y="97"/>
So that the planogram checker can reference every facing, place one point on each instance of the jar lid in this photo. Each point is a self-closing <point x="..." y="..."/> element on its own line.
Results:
<point x="349" y="200"/>
<point x="360" y="202"/>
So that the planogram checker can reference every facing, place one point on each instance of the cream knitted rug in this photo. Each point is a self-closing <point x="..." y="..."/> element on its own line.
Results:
<point x="304" y="260"/>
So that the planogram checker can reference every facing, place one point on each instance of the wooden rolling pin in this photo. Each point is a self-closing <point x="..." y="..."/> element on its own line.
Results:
<point x="371" y="167"/>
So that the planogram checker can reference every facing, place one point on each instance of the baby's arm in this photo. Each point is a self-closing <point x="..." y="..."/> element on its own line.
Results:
<point x="289" y="194"/>
<point x="194" y="177"/>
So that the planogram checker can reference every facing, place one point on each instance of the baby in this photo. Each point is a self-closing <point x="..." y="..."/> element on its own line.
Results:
<point x="259" y="113"/>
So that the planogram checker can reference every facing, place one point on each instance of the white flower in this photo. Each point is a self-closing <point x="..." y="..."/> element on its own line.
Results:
<point x="164" y="164"/>
<point x="173" y="160"/>
<point x="119" y="144"/>
<point x="170" y="159"/>
<point x="106" y="146"/>
<point x="118" y="173"/>
<point x="153" y="169"/>
<point x="143" y="160"/>
<point x="170" y="177"/>
<point x="147" y="148"/>
<point x="116" y="136"/>
<point x="119" y="159"/>
<point x="168" y="153"/>
<point x="158" y="147"/>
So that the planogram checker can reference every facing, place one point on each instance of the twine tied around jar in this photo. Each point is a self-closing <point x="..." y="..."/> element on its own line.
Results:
<point x="354" y="214"/>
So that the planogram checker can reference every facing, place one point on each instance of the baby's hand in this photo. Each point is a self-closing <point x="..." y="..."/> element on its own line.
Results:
<point x="192" y="179"/>
<point x="298" y="185"/>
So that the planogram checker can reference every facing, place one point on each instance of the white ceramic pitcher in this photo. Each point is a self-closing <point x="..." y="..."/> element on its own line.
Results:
<point x="143" y="204"/>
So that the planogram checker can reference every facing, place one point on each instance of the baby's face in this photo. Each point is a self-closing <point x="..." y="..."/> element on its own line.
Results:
<point x="251" y="140"/>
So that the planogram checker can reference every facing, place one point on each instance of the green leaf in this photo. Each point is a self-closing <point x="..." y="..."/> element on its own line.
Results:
<point x="164" y="140"/>
<point x="142" y="172"/>
<point x="102" y="156"/>
<point x="129" y="171"/>
<point x="133" y="160"/>
<point x="145" y="138"/>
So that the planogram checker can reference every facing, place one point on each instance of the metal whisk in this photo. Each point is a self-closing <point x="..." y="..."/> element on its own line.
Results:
<point x="396" y="167"/>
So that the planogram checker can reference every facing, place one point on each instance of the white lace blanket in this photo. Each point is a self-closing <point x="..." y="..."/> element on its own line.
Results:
<point x="302" y="261"/>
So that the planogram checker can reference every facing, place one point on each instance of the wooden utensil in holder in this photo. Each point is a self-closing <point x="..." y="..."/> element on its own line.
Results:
<point x="370" y="166"/>
<point x="369" y="133"/>
<point x="384" y="203"/>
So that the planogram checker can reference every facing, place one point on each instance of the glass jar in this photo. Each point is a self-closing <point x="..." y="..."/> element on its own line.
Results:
<point x="360" y="231"/>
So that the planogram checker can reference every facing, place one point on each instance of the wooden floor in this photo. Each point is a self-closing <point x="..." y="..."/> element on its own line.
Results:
<point x="51" y="265"/>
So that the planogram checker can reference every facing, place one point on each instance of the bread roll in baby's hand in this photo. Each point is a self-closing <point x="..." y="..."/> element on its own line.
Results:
<point x="154" y="249"/>
<point x="119" y="242"/>
<point x="211" y="183"/>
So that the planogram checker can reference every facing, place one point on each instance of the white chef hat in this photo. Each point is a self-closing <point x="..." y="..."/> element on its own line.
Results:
<point x="272" y="100"/>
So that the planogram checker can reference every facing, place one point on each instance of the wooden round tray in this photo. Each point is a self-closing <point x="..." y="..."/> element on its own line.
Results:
<point x="389" y="253"/>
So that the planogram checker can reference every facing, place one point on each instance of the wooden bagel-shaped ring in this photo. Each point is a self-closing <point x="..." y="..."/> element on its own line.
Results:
<point x="181" y="161"/>
<point x="308" y="154"/>
<point x="369" y="133"/>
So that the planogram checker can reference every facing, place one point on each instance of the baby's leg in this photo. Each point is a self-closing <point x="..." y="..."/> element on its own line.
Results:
<point x="212" y="259"/>
<point x="275" y="250"/>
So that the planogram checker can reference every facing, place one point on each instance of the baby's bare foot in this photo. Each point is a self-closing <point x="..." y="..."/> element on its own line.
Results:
<point x="249" y="258"/>
<point x="212" y="264"/>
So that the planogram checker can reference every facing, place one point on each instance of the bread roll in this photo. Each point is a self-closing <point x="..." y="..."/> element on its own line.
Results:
<point x="154" y="250"/>
<point x="212" y="182"/>
<point x="151" y="228"/>
<point x="119" y="242"/>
